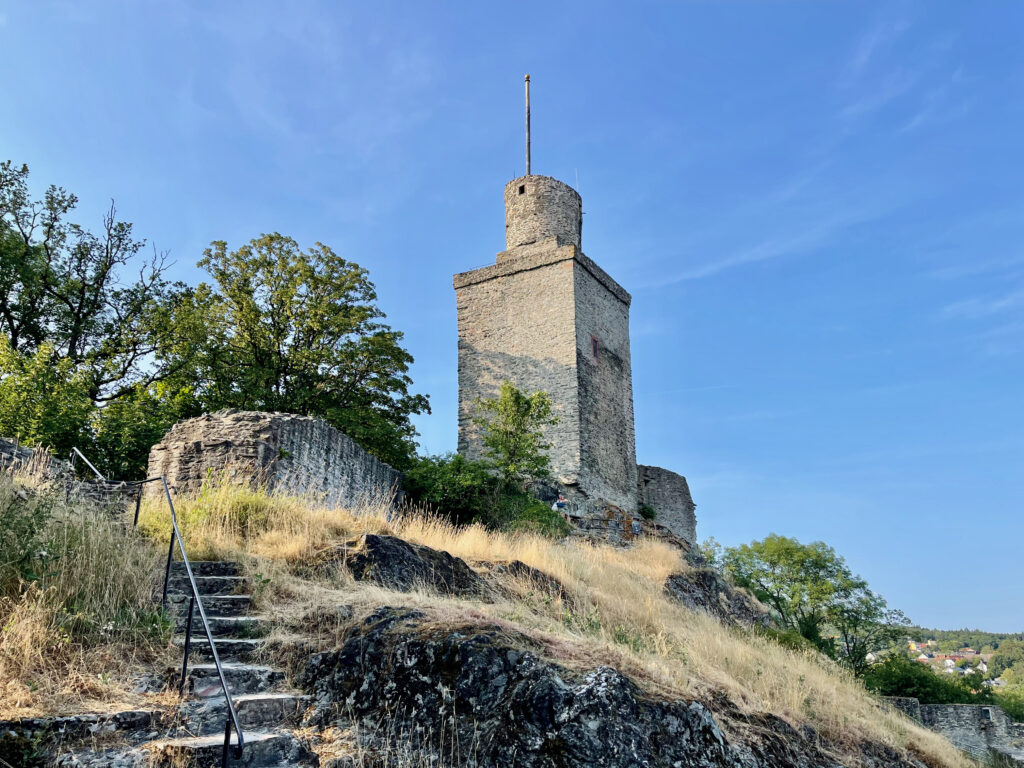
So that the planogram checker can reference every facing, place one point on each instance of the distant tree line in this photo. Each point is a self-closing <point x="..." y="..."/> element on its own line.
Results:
<point x="100" y="349"/>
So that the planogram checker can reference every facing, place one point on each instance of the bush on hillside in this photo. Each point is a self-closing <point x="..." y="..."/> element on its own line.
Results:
<point x="73" y="584"/>
<point x="521" y="512"/>
<point x="897" y="675"/>
<point x="453" y="486"/>
<point x="24" y="538"/>
<point x="465" y="492"/>
<point x="1012" y="701"/>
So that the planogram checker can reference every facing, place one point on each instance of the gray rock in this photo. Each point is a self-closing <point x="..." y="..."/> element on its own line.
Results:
<point x="704" y="589"/>
<point x="397" y="564"/>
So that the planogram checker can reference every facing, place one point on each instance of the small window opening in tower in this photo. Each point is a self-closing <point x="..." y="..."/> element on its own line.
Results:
<point x="595" y="346"/>
<point x="522" y="189"/>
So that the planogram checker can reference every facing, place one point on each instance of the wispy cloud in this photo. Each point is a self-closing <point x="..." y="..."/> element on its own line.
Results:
<point x="1005" y="340"/>
<point x="985" y="306"/>
<point x="890" y="87"/>
<point x="940" y="104"/>
<point x="809" y="232"/>
<point x="878" y="37"/>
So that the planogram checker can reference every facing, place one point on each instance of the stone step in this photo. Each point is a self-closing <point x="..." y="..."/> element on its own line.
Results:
<point x="206" y="568"/>
<point x="228" y="648"/>
<point x="207" y="585"/>
<point x="256" y="710"/>
<point x="242" y="679"/>
<point x="223" y="626"/>
<point x="215" y="605"/>
<point x="262" y="749"/>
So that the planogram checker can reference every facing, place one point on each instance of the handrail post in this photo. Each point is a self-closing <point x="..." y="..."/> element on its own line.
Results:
<point x="188" y="646"/>
<point x="167" y="571"/>
<point x="138" y="506"/>
<point x="227" y="742"/>
<point x="76" y="452"/>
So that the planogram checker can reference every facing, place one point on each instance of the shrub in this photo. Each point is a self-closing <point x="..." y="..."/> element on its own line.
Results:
<point x="1012" y="702"/>
<point x="897" y="675"/>
<point x="466" y="492"/>
<point x="24" y="537"/>
<point x="647" y="512"/>
<point x="453" y="486"/>
<point x="521" y="512"/>
<point x="81" y="588"/>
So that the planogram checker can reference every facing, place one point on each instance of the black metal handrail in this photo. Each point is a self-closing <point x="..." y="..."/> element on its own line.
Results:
<point x="231" y="721"/>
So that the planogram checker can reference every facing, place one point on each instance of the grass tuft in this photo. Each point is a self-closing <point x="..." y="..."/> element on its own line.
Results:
<point x="77" y="610"/>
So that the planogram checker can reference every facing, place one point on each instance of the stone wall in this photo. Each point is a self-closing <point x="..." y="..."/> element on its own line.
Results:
<point x="669" y="495"/>
<point x="19" y="458"/>
<point x="284" y="452"/>
<point x="977" y="729"/>
<point x="908" y="705"/>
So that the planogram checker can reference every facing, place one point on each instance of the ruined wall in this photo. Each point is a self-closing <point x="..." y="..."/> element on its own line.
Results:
<point x="908" y="705"/>
<point x="978" y="729"/>
<point x="669" y="495"/>
<point x="15" y="457"/>
<point x="973" y="728"/>
<point x="608" y="452"/>
<point x="289" y="453"/>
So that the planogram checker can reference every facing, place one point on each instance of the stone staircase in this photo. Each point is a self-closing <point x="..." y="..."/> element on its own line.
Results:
<point x="193" y="736"/>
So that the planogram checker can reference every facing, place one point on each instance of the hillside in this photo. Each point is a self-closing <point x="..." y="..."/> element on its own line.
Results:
<point x="560" y="653"/>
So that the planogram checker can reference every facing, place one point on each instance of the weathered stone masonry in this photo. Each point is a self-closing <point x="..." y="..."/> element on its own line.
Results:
<point x="285" y="452"/>
<point x="548" y="318"/>
<point x="669" y="495"/>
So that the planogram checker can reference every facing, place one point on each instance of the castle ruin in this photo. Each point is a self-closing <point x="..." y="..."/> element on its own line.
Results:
<point x="546" y="317"/>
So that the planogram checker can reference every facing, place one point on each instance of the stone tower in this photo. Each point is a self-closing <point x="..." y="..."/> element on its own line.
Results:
<point x="548" y="318"/>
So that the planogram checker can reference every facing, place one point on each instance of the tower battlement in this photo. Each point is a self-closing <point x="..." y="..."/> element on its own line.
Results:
<point x="540" y="207"/>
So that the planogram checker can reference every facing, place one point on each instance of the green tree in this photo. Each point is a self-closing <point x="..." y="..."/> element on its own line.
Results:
<point x="512" y="426"/>
<point x="298" y="331"/>
<point x="864" y="624"/>
<point x="814" y="592"/>
<point x="801" y="582"/>
<point x="1009" y="654"/>
<point x="70" y="289"/>
<point x="44" y="399"/>
<point x="87" y="324"/>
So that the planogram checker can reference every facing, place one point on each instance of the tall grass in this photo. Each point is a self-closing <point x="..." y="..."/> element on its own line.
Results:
<point x="617" y="613"/>
<point x="77" y="613"/>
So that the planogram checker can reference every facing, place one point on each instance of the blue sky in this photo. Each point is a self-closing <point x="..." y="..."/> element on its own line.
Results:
<point x="817" y="207"/>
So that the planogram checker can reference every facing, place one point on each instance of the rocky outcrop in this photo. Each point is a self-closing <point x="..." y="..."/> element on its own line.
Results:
<point x="704" y="589"/>
<point x="483" y="696"/>
<point x="536" y="580"/>
<point x="397" y="564"/>
<point x="280" y="451"/>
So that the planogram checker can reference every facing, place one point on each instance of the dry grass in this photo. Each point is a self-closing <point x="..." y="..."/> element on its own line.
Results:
<point x="620" y="613"/>
<point x="77" y="621"/>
